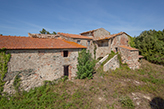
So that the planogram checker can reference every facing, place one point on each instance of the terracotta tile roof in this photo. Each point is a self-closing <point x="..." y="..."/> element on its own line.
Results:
<point x="110" y="36"/>
<point x="89" y="31"/>
<point x="129" y="48"/>
<point x="74" y="36"/>
<point x="14" y="42"/>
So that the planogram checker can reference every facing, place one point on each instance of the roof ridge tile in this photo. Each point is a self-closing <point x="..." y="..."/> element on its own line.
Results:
<point x="77" y="36"/>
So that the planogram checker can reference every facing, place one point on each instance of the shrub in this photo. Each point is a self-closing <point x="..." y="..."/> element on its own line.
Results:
<point x="4" y="59"/>
<point x="126" y="102"/>
<point x="85" y="65"/>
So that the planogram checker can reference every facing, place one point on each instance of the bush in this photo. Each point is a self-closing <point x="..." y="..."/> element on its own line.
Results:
<point x="4" y="59"/>
<point x="126" y="102"/>
<point x="85" y="65"/>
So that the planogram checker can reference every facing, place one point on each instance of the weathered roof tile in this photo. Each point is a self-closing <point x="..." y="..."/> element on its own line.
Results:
<point x="13" y="42"/>
<point x="74" y="36"/>
<point x="129" y="48"/>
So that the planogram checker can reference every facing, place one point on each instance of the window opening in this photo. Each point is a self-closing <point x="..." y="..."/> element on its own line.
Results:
<point x="65" y="53"/>
<point x="103" y="43"/>
<point x="66" y="70"/>
<point x="88" y="42"/>
<point x="78" y="41"/>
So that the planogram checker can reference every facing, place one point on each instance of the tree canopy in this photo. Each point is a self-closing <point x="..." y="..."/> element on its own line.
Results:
<point x="44" y="31"/>
<point x="151" y="45"/>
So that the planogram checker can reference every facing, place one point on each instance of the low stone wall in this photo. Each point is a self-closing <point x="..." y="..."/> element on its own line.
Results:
<point x="101" y="61"/>
<point x="112" y="64"/>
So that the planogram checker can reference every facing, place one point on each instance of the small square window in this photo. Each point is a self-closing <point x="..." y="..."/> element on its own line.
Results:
<point x="78" y="41"/>
<point x="65" y="53"/>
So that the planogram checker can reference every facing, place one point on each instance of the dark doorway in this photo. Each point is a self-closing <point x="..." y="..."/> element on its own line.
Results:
<point x="116" y="49"/>
<point x="66" y="70"/>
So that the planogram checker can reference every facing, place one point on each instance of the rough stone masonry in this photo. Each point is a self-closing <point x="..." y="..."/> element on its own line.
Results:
<point x="36" y="66"/>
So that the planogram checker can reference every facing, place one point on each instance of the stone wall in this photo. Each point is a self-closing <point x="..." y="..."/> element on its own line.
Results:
<point x="113" y="45"/>
<point x="42" y="35"/>
<point x="130" y="57"/>
<point x="96" y="33"/>
<point x="112" y="64"/>
<point x="102" y="51"/>
<point x="88" y="43"/>
<point x="84" y="42"/>
<point x="100" y="32"/>
<point x="101" y="61"/>
<point x="35" y="66"/>
<point x="119" y="40"/>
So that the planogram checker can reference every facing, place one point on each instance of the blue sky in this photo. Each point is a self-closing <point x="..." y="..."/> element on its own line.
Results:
<point x="18" y="17"/>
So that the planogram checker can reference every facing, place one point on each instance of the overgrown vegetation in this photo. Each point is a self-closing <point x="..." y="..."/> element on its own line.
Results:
<point x="131" y="41"/>
<point x="151" y="45"/>
<point x="16" y="83"/>
<point x="126" y="102"/>
<point x="112" y="89"/>
<point x="85" y="65"/>
<point x="111" y="55"/>
<point x="95" y="48"/>
<point x="4" y="59"/>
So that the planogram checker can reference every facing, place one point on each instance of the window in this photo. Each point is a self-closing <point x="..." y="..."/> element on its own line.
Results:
<point x="65" y="53"/>
<point x="78" y="41"/>
<point x="88" y="42"/>
<point x="103" y="43"/>
<point x="116" y="49"/>
<point x="66" y="70"/>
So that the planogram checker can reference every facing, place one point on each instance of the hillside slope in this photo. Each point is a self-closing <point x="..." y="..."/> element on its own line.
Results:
<point x="122" y="88"/>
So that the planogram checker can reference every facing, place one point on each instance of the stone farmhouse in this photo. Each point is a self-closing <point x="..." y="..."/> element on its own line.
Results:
<point x="105" y="43"/>
<point x="42" y="57"/>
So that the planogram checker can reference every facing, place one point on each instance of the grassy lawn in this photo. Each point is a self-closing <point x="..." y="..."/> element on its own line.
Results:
<point x="122" y="88"/>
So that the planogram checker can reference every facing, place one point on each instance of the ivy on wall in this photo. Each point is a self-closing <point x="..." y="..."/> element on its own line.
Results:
<point x="4" y="59"/>
<point x="95" y="47"/>
<point x="16" y="83"/>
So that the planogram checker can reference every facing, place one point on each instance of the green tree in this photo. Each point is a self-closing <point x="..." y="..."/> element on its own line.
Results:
<point x="131" y="41"/>
<point x="44" y="31"/>
<point x="54" y="32"/>
<point x="85" y="65"/>
<point x="48" y="32"/>
<point x="151" y="45"/>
